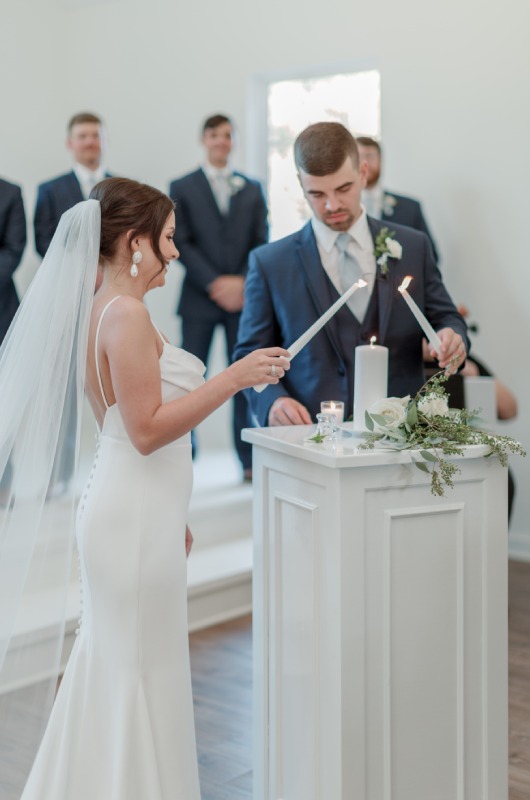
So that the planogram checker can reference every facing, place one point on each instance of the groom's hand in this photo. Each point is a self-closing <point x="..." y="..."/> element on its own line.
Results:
<point x="453" y="350"/>
<point x="287" y="411"/>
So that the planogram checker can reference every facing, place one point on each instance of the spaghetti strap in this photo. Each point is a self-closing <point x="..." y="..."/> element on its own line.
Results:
<point x="161" y="337"/>
<point x="96" y="349"/>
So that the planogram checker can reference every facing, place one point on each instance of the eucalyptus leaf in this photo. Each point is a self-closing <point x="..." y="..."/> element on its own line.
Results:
<point x="379" y="419"/>
<point x="412" y="414"/>
<point x="368" y="421"/>
<point x="422" y="466"/>
<point x="428" y="456"/>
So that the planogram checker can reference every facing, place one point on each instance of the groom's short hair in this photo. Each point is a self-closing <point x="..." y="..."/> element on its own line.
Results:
<point x="322" y="148"/>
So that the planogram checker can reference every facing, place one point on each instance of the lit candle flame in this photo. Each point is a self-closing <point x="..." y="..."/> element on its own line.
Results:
<point x="405" y="283"/>
<point x="373" y="340"/>
<point x="361" y="283"/>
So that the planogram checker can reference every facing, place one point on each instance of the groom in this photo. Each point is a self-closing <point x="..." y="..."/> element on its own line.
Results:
<point x="291" y="282"/>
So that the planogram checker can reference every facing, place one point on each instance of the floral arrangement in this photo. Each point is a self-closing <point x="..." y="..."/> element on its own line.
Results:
<point x="386" y="247"/>
<point x="426" y="425"/>
<point x="236" y="183"/>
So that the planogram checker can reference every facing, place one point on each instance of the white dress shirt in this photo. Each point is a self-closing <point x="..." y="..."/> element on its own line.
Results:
<point x="361" y="247"/>
<point x="88" y="178"/>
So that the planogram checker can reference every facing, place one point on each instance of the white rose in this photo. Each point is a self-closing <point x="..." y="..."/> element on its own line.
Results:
<point x="393" y="409"/>
<point x="433" y="405"/>
<point x="236" y="183"/>
<point x="382" y="259"/>
<point x="394" y="248"/>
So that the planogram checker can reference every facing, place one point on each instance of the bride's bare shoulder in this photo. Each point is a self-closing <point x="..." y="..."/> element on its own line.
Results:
<point x="125" y="311"/>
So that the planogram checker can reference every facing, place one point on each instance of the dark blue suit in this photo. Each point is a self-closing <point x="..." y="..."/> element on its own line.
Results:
<point x="287" y="289"/>
<point x="213" y="244"/>
<point x="12" y="244"/>
<point x="53" y="199"/>
<point x="406" y="211"/>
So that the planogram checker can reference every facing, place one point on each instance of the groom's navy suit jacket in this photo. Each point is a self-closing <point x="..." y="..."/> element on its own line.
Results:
<point x="287" y="289"/>
<point x="12" y="243"/>
<point x="213" y="244"/>
<point x="54" y="197"/>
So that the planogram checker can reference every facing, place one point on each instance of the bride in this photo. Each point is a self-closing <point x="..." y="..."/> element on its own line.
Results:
<point x="122" y="726"/>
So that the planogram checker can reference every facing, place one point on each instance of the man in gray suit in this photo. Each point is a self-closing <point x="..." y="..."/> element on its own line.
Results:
<point x="221" y="216"/>
<point x="385" y="205"/>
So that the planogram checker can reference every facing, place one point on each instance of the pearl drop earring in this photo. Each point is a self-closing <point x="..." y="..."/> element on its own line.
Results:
<point x="137" y="257"/>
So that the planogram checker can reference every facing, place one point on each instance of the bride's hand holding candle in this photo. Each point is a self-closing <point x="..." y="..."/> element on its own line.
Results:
<point x="264" y="366"/>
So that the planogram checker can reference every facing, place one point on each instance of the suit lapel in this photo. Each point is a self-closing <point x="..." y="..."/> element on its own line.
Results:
<point x="317" y="283"/>
<point x="74" y="188"/>
<point x="385" y="285"/>
<point x="235" y="197"/>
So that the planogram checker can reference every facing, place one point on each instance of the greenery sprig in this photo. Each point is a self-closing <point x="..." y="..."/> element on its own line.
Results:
<point x="426" y="425"/>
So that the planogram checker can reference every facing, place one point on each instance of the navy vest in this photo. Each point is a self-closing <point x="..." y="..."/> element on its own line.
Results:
<point x="351" y="334"/>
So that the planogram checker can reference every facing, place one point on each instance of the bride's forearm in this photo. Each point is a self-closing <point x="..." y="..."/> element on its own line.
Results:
<point x="176" y="418"/>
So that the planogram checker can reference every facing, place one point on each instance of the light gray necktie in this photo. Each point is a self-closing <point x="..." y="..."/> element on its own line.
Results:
<point x="222" y="192"/>
<point x="90" y="183"/>
<point x="350" y="272"/>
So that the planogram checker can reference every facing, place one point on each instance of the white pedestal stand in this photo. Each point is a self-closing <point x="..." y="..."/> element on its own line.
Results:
<point x="380" y="626"/>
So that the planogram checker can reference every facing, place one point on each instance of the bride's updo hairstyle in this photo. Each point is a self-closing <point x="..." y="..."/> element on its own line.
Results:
<point x="130" y="206"/>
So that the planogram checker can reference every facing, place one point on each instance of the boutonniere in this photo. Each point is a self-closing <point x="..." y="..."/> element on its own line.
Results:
<point x="389" y="203"/>
<point x="386" y="246"/>
<point x="236" y="183"/>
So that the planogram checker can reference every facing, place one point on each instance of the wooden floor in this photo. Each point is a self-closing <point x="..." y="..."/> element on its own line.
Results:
<point x="519" y="664"/>
<point x="222" y="682"/>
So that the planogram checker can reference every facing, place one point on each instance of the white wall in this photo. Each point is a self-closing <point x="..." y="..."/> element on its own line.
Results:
<point x="455" y="119"/>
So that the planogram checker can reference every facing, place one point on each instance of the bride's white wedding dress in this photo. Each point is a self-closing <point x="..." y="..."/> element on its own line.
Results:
<point x="122" y="725"/>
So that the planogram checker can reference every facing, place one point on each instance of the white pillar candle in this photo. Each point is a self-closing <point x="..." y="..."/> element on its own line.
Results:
<point x="428" y="330"/>
<point x="335" y="407"/>
<point x="371" y="380"/>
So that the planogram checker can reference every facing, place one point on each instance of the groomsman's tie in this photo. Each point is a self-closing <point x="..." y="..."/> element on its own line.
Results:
<point x="222" y="193"/>
<point x="350" y="272"/>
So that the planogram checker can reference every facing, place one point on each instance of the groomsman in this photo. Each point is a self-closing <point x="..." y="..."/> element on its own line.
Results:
<point x="385" y="205"/>
<point x="12" y="244"/>
<point x="292" y="281"/>
<point x="221" y="216"/>
<point x="85" y="140"/>
<point x="86" y="143"/>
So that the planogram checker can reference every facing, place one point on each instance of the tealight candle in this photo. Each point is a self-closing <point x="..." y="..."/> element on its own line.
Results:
<point x="335" y="407"/>
<point x="371" y="380"/>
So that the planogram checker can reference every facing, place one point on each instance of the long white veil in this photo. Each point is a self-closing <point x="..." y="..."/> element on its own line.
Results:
<point x="42" y="374"/>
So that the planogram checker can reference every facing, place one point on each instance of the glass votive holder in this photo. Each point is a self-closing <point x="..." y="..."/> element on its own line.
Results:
<point x="327" y="428"/>
<point x="333" y="407"/>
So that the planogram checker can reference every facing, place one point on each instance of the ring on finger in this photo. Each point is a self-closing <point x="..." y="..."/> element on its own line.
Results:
<point x="273" y="370"/>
